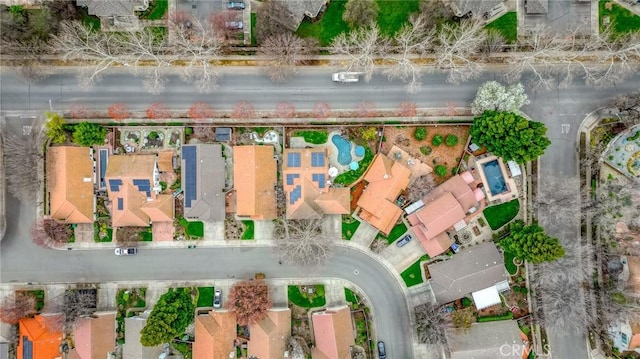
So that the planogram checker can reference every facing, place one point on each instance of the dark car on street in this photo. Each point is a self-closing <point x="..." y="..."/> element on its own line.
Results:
<point x="382" y="351"/>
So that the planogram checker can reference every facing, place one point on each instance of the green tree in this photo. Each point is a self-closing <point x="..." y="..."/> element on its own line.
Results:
<point x="369" y="133"/>
<point x="531" y="243"/>
<point x="510" y="136"/>
<point x="451" y="140"/>
<point x="437" y="140"/>
<point x="55" y="131"/>
<point x="463" y="318"/>
<point x="440" y="170"/>
<point x="169" y="317"/>
<point x="89" y="134"/>
<point x="420" y="133"/>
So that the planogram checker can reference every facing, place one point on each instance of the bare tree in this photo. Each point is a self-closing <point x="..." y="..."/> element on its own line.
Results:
<point x="456" y="46"/>
<point x="321" y="110"/>
<point x="378" y="245"/>
<point x="79" y="42"/>
<point x="617" y="59"/>
<point x="47" y="232"/>
<point x="420" y="187"/>
<point x="243" y="110"/>
<point x="283" y="53"/>
<point x="361" y="47"/>
<point x="302" y="242"/>
<point x="360" y="12"/>
<point x="431" y="324"/>
<point x="73" y="305"/>
<point x="250" y="300"/>
<point x="272" y="18"/>
<point x="435" y="12"/>
<point x="628" y="107"/>
<point x="493" y="42"/>
<point x="414" y="38"/>
<point x="141" y="48"/>
<point x="17" y="305"/>
<point x="198" y="43"/>
<point x="22" y="159"/>
<point x="298" y="348"/>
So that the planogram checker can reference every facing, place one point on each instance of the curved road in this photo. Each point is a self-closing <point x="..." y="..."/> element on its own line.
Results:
<point x="20" y="261"/>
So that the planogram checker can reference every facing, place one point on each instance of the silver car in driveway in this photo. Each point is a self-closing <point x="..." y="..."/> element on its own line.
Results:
<point x="217" y="299"/>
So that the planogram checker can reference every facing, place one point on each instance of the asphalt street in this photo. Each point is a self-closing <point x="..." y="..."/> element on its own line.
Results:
<point x="562" y="111"/>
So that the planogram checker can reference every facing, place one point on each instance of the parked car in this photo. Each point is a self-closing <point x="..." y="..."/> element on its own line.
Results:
<point x="455" y="248"/>
<point x="217" y="299"/>
<point x="235" y="25"/>
<point x="126" y="251"/>
<point x="235" y="5"/>
<point x="382" y="351"/>
<point x="406" y="239"/>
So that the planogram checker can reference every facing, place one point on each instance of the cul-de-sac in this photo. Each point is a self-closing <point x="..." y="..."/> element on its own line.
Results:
<point x="319" y="179"/>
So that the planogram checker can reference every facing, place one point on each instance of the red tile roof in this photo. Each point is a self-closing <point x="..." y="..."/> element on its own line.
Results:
<point x="215" y="333"/>
<point x="255" y="177"/>
<point x="42" y="333"/>
<point x="70" y="184"/>
<point x="333" y="332"/>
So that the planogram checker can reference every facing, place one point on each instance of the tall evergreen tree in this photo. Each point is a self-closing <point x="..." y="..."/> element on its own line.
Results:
<point x="169" y="317"/>
<point x="531" y="243"/>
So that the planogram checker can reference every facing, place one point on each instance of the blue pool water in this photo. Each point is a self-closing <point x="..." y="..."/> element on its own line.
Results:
<point x="494" y="177"/>
<point x="344" y="149"/>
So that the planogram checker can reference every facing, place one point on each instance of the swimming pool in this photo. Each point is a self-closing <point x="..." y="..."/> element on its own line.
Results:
<point x="494" y="176"/>
<point x="344" y="149"/>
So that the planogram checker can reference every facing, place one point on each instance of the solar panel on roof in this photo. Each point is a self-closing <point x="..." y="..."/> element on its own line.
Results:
<point x="27" y="348"/>
<point x="291" y="177"/>
<point x="115" y="184"/>
<point x="320" y="178"/>
<point x="295" y="194"/>
<point x="293" y="159"/>
<point x="317" y="159"/>
<point x="189" y="154"/>
<point x="120" y="204"/>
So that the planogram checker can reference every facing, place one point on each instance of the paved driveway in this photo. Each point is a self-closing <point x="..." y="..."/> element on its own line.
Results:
<point x="563" y="16"/>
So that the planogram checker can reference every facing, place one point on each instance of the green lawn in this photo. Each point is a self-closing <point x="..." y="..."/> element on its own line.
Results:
<point x="330" y="26"/>
<point x="393" y="14"/>
<point x="349" y="227"/>
<point x="304" y="300"/>
<point x="350" y="296"/>
<point x="351" y="176"/>
<point x="413" y="275"/>
<point x="621" y="19"/>
<point x="249" y="230"/>
<point x="205" y="297"/>
<point x="508" y="263"/>
<point x="146" y="235"/>
<point x="192" y="229"/>
<point x="254" y="40"/>
<point x="315" y="137"/>
<point x="91" y="21"/>
<point x="395" y="233"/>
<point x="156" y="11"/>
<point x="507" y="25"/>
<point x="498" y="216"/>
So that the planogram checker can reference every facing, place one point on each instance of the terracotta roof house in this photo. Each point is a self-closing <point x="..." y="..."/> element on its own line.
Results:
<point x="445" y="207"/>
<point x="215" y="333"/>
<point x="255" y="178"/>
<point x="165" y="161"/>
<point x="133" y="186"/>
<point x="471" y="270"/>
<point x="386" y="179"/>
<point x="268" y="338"/>
<point x="203" y="181"/>
<point x="132" y="348"/>
<point x="333" y="333"/>
<point x="70" y="184"/>
<point x="304" y="175"/>
<point x="38" y="339"/>
<point x="499" y="339"/>
<point x="94" y="337"/>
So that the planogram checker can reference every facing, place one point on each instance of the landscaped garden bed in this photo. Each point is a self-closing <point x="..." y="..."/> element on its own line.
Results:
<point x="441" y="145"/>
<point x="501" y="214"/>
<point x="307" y="296"/>
<point x="249" y="230"/>
<point x="349" y="226"/>
<point x="205" y="297"/>
<point x="316" y="137"/>
<point x="413" y="274"/>
<point x="191" y="229"/>
<point x="127" y="299"/>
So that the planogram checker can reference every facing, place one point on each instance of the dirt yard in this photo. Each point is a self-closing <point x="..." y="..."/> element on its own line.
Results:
<point x="403" y="137"/>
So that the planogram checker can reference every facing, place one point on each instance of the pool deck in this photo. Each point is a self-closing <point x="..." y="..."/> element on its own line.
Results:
<point x="299" y="142"/>
<point x="512" y="188"/>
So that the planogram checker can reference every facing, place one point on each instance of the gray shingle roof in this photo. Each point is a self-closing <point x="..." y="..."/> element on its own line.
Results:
<point x="485" y="341"/>
<point x="301" y="8"/>
<point x="111" y="7"/>
<point x="476" y="7"/>
<point x="536" y="6"/>
<point x="209" y="204"/>
<point x="468" y="271"/>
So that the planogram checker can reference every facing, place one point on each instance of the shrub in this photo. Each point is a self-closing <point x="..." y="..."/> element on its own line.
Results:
<point x="441" y="170"/>
<point x="451" y="140"/>
<point x="420" y="133"/>
<point x="516" y="289"/>
<point x="437" y="140"/>
<point x="188" y="130"/>
<point x="369" y="133"/>
<point x="524" y="290"/>
<point x="426" y="150"/>
<point x="454" y="171"/>
<point x="466" y="302"/>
